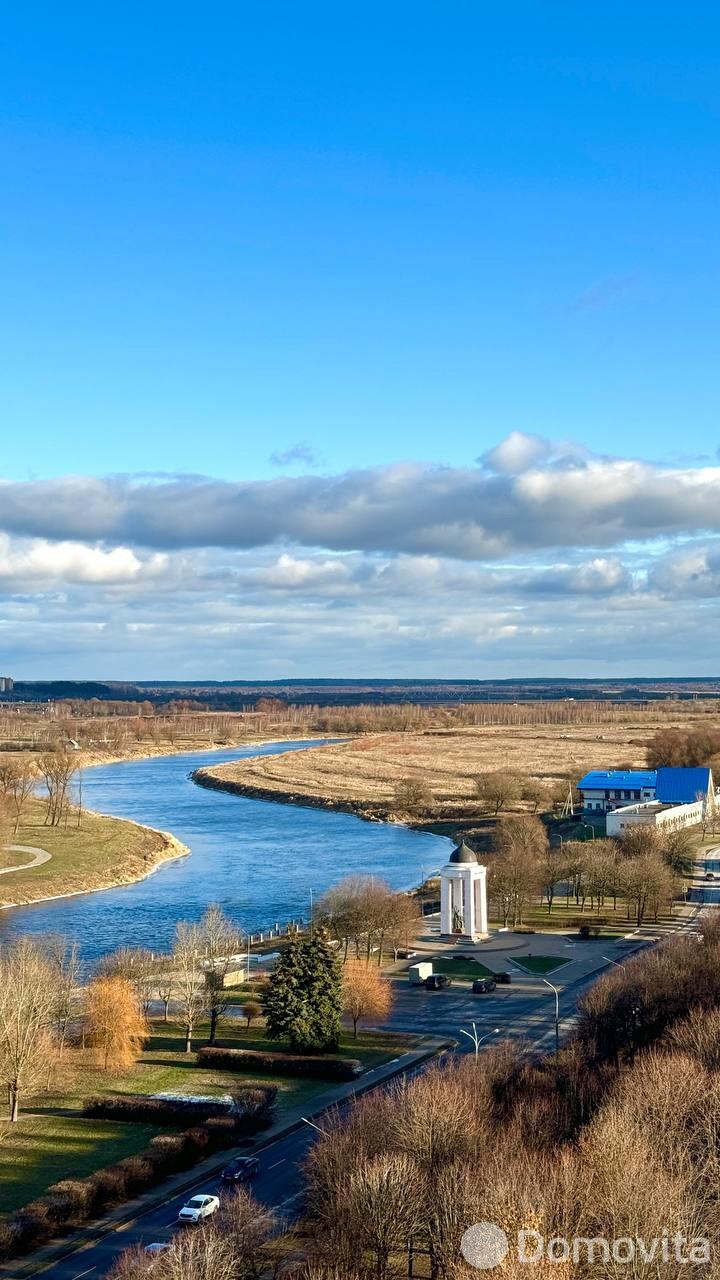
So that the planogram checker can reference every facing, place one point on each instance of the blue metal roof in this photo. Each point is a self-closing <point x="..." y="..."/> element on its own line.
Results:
<point x="604" y="779"/>
<point x="681" y="786"/>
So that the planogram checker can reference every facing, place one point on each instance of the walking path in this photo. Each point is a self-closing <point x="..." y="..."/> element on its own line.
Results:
<point x="39" y="856"/>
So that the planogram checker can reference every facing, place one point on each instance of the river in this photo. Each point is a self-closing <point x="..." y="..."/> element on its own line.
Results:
<point x="258" y="859"/>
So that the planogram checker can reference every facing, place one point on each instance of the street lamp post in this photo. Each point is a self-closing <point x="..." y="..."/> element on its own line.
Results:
<point x="557" y="1014"/>
<point x="590" y="828"/>
<point x="313" y="1125"/>
<point x="478" y="1040"/>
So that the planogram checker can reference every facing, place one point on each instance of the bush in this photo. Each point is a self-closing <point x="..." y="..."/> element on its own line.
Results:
<point x="589" y="926"/>
<point x="74" y="1200"/>
<point x="280" y="1064"/>
<point x="139" y="1107"/>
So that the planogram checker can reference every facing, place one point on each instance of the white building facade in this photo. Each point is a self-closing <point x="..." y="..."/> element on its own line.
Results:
<point x="666" y="817"/>
<point x="463" y="897"/>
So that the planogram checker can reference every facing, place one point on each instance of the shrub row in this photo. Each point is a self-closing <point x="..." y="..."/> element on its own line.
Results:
<point x="146" y="1110"/>
<point x="249" y="1111"/>
<point x="72" y="1201"/>
<point x="279" y="1064"/>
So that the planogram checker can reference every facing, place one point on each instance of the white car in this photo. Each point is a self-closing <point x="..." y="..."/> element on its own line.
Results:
<point x="199" y="1207"/>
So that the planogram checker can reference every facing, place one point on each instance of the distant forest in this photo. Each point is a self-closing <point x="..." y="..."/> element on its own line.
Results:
<point x="237" y="695"/>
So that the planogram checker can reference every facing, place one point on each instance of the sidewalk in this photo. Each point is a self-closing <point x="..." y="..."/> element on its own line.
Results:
<point x="126" y="1213"/>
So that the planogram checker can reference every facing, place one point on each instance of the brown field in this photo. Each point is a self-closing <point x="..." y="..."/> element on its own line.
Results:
<point x="361" y="775"/>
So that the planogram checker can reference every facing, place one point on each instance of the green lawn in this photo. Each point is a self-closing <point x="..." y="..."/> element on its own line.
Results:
<point x="44" y="1147"/>
<point x="41" y="1150"/>
<point x="562" y="917"/>
<point x="539" y="964"/>
<point x="101" y="851"/>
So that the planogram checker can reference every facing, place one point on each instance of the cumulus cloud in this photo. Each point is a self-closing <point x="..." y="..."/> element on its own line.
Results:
<point x="40" y="561"/>
<point x="692" y="570"/>
<point x="463" y="513"/>
<point x="516" y="452"/>
<point x="543" y="558"/>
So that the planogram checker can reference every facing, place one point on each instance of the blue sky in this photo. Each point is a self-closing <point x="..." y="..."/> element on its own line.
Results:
<point x="254" y="242"/>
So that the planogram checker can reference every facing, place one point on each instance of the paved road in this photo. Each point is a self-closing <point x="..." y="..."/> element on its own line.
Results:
<point x="525" y="1010"/>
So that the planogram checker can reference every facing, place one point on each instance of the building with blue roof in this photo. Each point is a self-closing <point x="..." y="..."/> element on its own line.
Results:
<point x="666" y="797"/>
<point x="684" y="786"/>
<point x="603" y="790"/>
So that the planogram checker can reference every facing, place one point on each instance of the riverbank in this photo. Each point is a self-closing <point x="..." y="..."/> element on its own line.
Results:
<point x="102" y="853"/>
<point x="366" y="775"/>
<point x="88" y="759"/>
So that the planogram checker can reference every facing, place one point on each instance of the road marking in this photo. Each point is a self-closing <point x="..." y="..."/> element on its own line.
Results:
<point x="290" y="1200"/>
<point x="84" y="1273"/>
<point x="277" y="1162"/>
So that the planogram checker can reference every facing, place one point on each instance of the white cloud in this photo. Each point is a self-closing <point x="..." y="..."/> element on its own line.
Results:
<point x="565" y="502"/>
<point x="516" y="453"/>
<point x="41" y="561"/>
<point x="543" y="559"/>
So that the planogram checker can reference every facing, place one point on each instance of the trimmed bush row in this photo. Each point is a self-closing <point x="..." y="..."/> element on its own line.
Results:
<point x="72" y="1201"/>
<point x="170" y="1111"/>
<point x="279" y="1064"/>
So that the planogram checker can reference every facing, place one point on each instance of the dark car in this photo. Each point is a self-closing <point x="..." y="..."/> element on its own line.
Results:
<point x="503" y="976"/>
<point x="482" y="985"/>
<point x="240" y="1170"/>
<point x="709" y="875"/>
<point x="437" y="981"/>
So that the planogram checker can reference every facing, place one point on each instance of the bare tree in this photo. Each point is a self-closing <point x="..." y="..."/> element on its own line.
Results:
<point x="535" y="792"/>
<point x="189" y="978"/>
<point x="516" y="872"/>
<point x="365" y="993"/>
<point x="403" y="920"/>
<point x="27" y="991"/>
<point x="497" y="790"/>
<point x="164" y="982"/>
<point x="64" y="960"/>
<point x="138" y="967"/>
<point x="114" y="1026"/>
<point x="412" y="796"/>
<point x="221" y="942"/>
<point x="251" y="1011"/>
<point x="18" y="778"/>
<point x="57" y="769"/>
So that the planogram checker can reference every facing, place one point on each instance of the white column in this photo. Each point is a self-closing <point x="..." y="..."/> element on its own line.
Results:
<point x="445" y="904"/>
<point x="469" y="913"/>
<point x="481" y="901"/>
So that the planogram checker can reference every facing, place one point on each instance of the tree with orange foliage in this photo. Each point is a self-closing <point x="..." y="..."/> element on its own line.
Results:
<point x="365" y="993"/>
<point x="114" y="1025"/>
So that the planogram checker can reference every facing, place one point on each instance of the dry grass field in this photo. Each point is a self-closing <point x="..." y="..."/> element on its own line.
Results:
<point x="361" y="775"/>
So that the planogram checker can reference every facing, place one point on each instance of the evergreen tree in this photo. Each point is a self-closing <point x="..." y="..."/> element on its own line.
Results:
<point x="304" y="1000"/>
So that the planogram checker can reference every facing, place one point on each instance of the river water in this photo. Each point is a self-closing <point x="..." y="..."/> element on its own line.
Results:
<point x="258" y="859"/>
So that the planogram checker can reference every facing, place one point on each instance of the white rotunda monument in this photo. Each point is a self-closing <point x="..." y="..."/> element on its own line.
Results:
<point x="463" y="897"/>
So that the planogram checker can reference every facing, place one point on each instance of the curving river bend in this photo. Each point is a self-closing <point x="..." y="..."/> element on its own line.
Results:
<point x="258" y="859"/>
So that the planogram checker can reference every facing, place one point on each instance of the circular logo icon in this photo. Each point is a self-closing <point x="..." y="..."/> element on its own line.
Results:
<point x="484" y="1245"/>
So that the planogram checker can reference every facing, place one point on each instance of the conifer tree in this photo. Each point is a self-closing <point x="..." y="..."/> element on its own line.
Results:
<point x="304" y="1001"/>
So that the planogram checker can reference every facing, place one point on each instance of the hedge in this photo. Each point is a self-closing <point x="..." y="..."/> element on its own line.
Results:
<point x="72" y="1201"/>
<point x="279" y="1064"/>
<point x="171" y="1111"/>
